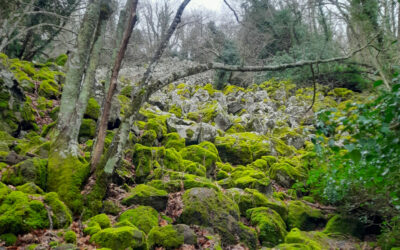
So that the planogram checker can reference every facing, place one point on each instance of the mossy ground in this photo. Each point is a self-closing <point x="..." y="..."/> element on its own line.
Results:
<point x="222" y="180"/>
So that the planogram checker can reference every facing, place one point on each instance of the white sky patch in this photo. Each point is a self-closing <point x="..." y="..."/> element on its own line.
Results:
<point x="214" y="5"/>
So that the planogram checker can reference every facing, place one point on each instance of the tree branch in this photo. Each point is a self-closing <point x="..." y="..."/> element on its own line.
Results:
<point x="233" y="10"/>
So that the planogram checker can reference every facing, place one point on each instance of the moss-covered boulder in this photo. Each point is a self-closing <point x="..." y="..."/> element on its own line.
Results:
<point x="70" y="237"/>
<point x="173" y="181"/>
<point x="88" y="128"/>
<point x="146" y="159"/>
<point x="65" y="177"/>
<point x="242" y="148"/>
<point x="92" y="109"/>
<point x="210" y="208"/>
<point x="271" y="227"/>
<point x="189" y="236"/>
<point x="286" y="174"/>
<point x="304" y="217"/>
<point x="60" y="214"/>
<point x="158" y="125"/>
<point x="30" y="188"/>
<point x="167" y="237"/>
<point x="313" y="240"/>
<point x="49" y="89"/>
<point x="344" y="225"/>
<point x="31" y="170"/>
<point x="147" y="195"/>
<point x="8" y="239"/>
<point x="96" y="224"/>
<point x="120" y="238"/>
<point x="251" y="198"/>
<point x="19" y="213"/>
<point x="194" y="168"/>
<point x="173" y="140"/>
<point x="205" y="154"/>
<point x="143" y="217"/>
<point x="250" y="178"/>
<point x="149" y="138"/>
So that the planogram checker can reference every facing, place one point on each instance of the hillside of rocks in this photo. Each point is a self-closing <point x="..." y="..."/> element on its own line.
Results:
<point x="205" y="169"/>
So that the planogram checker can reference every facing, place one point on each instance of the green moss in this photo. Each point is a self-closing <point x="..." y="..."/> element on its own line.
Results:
<point x="202" y="154"/>
<point x="49" y="89"/>
<point x="146" y="159"/>
<point x="205" y="114"/>
<point x="166" y="237"/>
<point x="65" y="176"/>
<point x="286" y="174"/>
<point x="92" y="109"/>
<point x="111" y="208"/>
<point x="236" y="128"/>
<point x="173" y="160"/>
<point x="271" y="227"/>
<point x="93" y="229"/>
<point x="8" y="239"/>
<point x="127" y="91"/>
<point x="304" y="217"/>
<point x="194" y="168"/>
<point x="314" y="240"/>
<point x="176" y="110"/>
<point x="61" y="60"/>
<point x="282" y="148"/>
<point x="293" y="246"/>
<point x="158" y="125"/>
<point x="27" y="112"/>
<point x="31" y="170"/>
<point x="176" y="180"/>
<point x="222" y="175"/>
<point x="148" y="138"/>
<point x="344" y="225"/>
<point x="30" y="188"/>
<point x="173" y="140"/>
<point x="341" y="92"/>
<point x="4" y="98"/>
<point x="309" y="199"/>
<point x="120" y="238"/>
<point x="251" y="198"/>
<point x="232" y="89"/>
<point x="189" y="133"/>
<point x="210" y="208"/>
<point x="242" y="148"/>
<point x="143" y="217"/>
<point x="19" y="214"/>
<point x="88" y="128"/>
<point x="147" y="195"/>
<point x="101" y="219"/>
<point x="61" y="215"/>
<point x="70" y="237"/>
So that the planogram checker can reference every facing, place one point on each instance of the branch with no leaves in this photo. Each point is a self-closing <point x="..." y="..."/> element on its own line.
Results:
<point x="159" y="83"/>
<point x="233" y="10"/>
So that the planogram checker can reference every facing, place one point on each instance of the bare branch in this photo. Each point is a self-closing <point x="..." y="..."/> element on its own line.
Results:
<point x="233" y="10"/>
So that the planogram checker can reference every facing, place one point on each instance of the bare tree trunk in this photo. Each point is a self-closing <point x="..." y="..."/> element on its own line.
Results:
<point x="96" y="187"/>
<point x="398" y="21"/>
<point x="66" y="172"/>
<point x="98" y="149"/>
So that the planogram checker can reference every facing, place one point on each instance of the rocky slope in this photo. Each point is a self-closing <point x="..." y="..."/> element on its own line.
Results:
<point x="205" y="169"/>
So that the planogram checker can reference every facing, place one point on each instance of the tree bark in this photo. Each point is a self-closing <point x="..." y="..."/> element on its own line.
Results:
<point x="96" y="187"/>
<point x="66" y="171"/>
<point x="99" y="145"/>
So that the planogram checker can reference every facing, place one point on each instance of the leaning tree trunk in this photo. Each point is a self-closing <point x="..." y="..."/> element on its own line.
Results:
<point x="66" y="171"/>
<point x="98" y="182"/>
<point x="131" y="5"/>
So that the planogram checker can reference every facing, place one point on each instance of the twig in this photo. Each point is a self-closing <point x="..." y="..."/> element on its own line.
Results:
<point x="315" y="88"/>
